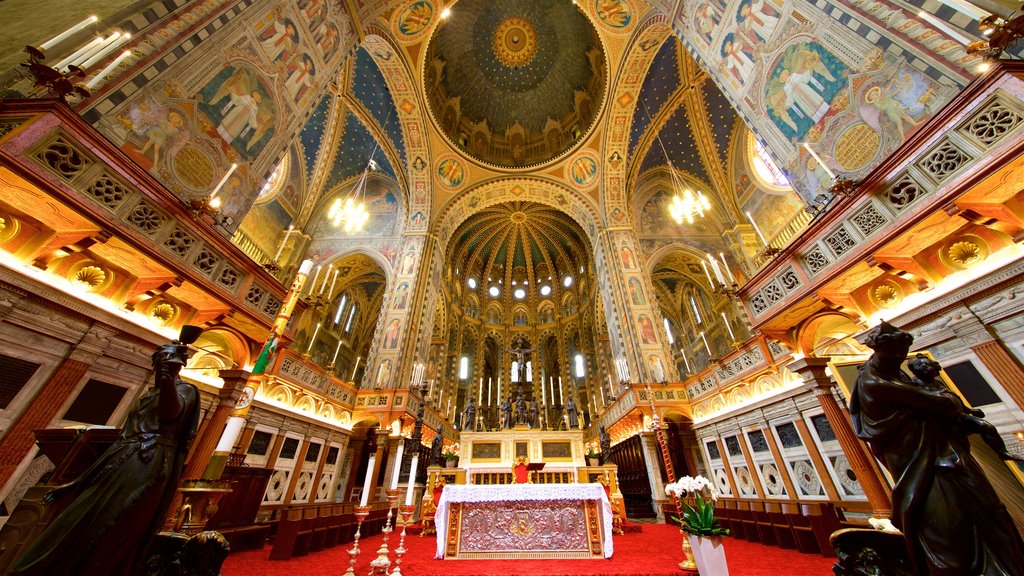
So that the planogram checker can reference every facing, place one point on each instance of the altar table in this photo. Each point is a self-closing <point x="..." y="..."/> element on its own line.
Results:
<point x="514" y="521"/>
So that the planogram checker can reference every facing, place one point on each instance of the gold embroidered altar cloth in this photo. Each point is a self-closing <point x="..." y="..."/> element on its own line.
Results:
<point x="524" y="521"/>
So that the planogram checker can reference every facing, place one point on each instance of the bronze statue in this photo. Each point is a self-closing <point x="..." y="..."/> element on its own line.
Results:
<point x="506" y="414"/>
<point x="951" y="518"/>
<point x="534" y="414"/>
<point x="121" y="501"/>
<point x="521" y="416"/>
<point x="573" y="413"/>
<point x="469" y="420"/>
<point x="435" y="448"/>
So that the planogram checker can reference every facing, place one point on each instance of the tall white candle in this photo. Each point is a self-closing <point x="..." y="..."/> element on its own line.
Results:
<point x="356" y="367"/>
<point x="366" y="481"/>
<point x="225" y="179"/>
<point x="283" y="242"/>
<point x="818" y="159"/>
<point x="967" y="8"/>
<point x="92" y="49"/>
<point x="543" y="393"/>
<point x="313" y="283"/>
<point x="333" y="280"/>
<point x="480" y="390"/>
<point x="323" y="285"/>
<point x="499" y="388"/>
<point x="313" y="339"/>
<point x="397" y="469"/>
<point x="412" y="478"/>
<point x="706" y="347"/>
<point x="107" y="70"/>
<point x="732" y="279"/>
<point x="714" y="268"/>
<point x="118" y="41"/>
<point x="77" y="54"/>
<point x="756" y="229"/>
<point x="561" y="393"/>
<point x="728" y="327"/>
<point x="67" y="33"/>
<point x="686" y="360"/>
<point x="336" y="350"/>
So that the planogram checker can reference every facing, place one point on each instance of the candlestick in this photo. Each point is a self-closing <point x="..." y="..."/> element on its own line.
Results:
<point x="818" y="159"/>
<point x="732" y="280"/>
<point x="323" y="285"/>
<point x="221" y="185"/>
<point x="356" y="367"/>
<point x="361" y="513"/>
<point x="714" y="268"/>
<point x="561" y="394"/>
<point x="117" y="40"/>
<point x="732" y="336"/>
<point x="336" y="350"/>
<point x="397" y="470"/>
<point x="480" y="390"/>
<point x="406" y="513"/>
<point x="686" y="361"/>
<point x="411" y="487"/>
<point x="756" y="229"/>
<point x="313" y="283"/>
<point x="65" y="34"/>
<point x="313" y="339"/>
<point x="706" y="347"/>
<point x="107" y="70"/>
<point x="283" y="242"/>
<point x="78" y="54"/>
<point x="366" y="481"/>
<point x="333" y="280"/>
<point x="944" y="27"/>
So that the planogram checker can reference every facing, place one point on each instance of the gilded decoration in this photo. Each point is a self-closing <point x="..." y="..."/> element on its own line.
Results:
<point x="964" y="253"/>
<point x="886" y="294"/>
<point x="164" y="312"/>
<point x="514" y="42"/>
<point x="90" y="277"/>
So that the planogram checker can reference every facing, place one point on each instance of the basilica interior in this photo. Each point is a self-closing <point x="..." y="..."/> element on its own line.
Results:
<point x="670" y="221"/>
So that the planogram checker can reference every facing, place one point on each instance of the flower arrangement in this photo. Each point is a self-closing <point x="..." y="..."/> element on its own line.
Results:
<point x="450" y="451"/>
<point x="593" y="450"/>
<point x="698" y="518"/>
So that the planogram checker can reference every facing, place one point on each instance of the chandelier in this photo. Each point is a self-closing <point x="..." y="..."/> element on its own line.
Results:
<point x="688" y="205"/>
<point x="350" y="214"/>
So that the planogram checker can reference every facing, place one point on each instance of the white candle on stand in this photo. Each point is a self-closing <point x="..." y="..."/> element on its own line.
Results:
<point x="480" y="390"/>
<point x="397" y="469"/>
<point x="85" y="51"/>
<point x="323" y="285"/>
<point x="356" y="367"/>
<point x="706" y="347"/>
<point x="820" y="162"/>
<point x="225" y="179"/>
<point x="366" y="482"/>
<point x="313" y="339"/>
<point x="283" y="242"/>
<point x="499" y="388"/>
<point x="333" y="280"/>
<point x="313" y="283"/>
<point x="67" y="33"/>
<point x="944" y="27"/>
<point x="728" y="327"/>
<point x="336" y="350"/>
<point x="109" y="68"/>
<point x="685" y="360"/>
<point x="756" y="229"/>
<point x="412" y="478"/>
<point x="118" y="41"/>
<point x="732" y="279"/>
<point x="714" y="268"/>
<point x="561" y="394"/>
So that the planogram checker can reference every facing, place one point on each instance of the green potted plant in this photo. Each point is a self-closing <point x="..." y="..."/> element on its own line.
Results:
<point x="593" y="455"/>
<point x="700" y="524"/>
<point x="450" y="453"/>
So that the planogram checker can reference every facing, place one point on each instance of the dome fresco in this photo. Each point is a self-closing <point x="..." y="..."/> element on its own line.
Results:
<point x="515" y="83"/>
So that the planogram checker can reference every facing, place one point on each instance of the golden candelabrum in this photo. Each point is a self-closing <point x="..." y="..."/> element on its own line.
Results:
<point x="361" y="513"/>
<point x="406" y="511"/>
<point x="843" y="186"/>
<point x="1001" y="34"/>
<point x="382" y="562"/>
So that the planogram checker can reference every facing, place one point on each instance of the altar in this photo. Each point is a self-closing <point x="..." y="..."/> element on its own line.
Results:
<point x="516" y="521"/>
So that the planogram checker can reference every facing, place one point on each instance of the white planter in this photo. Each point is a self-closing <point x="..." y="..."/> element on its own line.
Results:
<point x="709" y="554"/>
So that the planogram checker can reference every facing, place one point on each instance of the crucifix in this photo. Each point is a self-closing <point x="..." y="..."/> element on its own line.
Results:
<point x="518" y="353"/>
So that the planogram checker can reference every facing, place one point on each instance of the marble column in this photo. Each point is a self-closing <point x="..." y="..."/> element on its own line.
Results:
<point x="652" y="457"/>
<point x="812" y="370"/>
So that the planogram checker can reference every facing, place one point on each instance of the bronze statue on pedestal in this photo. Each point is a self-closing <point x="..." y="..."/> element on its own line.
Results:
<point x="121" y="501"/>
<point x="951" y="518"/>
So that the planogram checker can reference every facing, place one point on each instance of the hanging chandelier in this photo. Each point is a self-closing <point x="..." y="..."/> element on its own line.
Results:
<point x="350" y="214"/>
<point x="687" y="205"/>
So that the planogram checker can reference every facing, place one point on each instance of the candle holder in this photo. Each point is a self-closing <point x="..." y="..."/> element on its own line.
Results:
<point x="843" y="187"/>
<point x="382" y="562"/>
<point x="271" y="267"/>
<point x="57" y="83"/>
<point x="724" y="290"/>
<point x="314" y="302"/>
<point x="406" y="512"/>
<point x="1001" y="34"/>
<point x="361" y="513"/>
<point x="208" y="206"/>
<point x="770" y="252"/>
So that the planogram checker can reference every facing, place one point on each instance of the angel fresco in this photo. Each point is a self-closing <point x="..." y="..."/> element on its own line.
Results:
<point x="737" y="57"/>
<point x="757" y="19"/>
<point x="301" y="76"/>
<point x="156" y="130"/>
<point x="241" y="110"/>
<point x="280" y="40"/>
<point x="903" y="101"/>
<point x="800" y="88"/>
<point x="705" y="20"/>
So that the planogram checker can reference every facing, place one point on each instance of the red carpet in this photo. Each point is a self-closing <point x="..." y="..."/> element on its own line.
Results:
<point x="654" y="552"/>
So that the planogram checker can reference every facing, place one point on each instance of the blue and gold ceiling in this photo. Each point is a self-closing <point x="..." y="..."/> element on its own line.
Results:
<point x="661" y="81"/>
<point x="313" y="132"/>
<point x="354" y="150"/>
<point x="371" y="90"/>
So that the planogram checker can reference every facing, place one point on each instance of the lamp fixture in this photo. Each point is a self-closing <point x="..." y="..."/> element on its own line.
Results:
<point x="686" y="204"/>
<point x="1000" y="33"/>
<point x="350" y="214"/>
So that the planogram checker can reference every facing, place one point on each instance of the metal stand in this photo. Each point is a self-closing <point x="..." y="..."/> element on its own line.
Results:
<point x="406" y="512"/>
<point x="382" y="562"/>
<point x="361" y="513"/>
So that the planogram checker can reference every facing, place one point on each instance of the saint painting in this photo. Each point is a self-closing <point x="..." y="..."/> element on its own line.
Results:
<point x="241" y="110"/>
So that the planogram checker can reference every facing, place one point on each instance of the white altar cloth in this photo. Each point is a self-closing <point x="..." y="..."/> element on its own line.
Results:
<point x="457" y="493"/>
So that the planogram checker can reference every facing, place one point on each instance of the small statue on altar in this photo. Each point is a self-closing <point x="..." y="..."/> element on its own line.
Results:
<point x="534" y="414"/>
<point x="435" y="447"/>
<point x="121" y="501"/>
<point x="572" y="413"/>
<point x="606" y="444"/>
<point x="506" y="414"/>
<point x="521" y="414"/>
<point x="469" y="420"/>
<point x="918" y="435"/>
<point x="926" y="375"/>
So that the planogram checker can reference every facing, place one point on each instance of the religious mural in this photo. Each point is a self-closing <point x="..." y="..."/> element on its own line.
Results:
<point x="238" y="106"/>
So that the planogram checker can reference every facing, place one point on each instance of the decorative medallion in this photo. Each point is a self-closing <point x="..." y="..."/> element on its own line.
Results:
<point x="615" y="14"/>
<point x="723" y="482"/>
<point x="744" y="481"/>
<point x="887" y="294"/>
<point x="276" y="486"/>
<point x="514" y="42"/>
<point x="964" y="253"/>
<point x="451" y="172"/>
<point x="773" y="480"/>
<point x="856" y="146"/>
<point x="194" y="168"/>
<point x="164" y="312"/>
<point x="91" y="278"/>
<point x="583" y="169"/>
<point x="846" y="476"/>
<point x="806" y="478"/>
<point x="412" y="22"/>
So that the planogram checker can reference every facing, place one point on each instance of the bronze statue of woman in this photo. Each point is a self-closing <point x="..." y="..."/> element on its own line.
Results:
<point x="122" y="499"/>
<point x="950" y="516"/>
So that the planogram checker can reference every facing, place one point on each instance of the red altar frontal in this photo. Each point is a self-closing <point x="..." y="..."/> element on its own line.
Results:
<point x="524" y="521"/>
